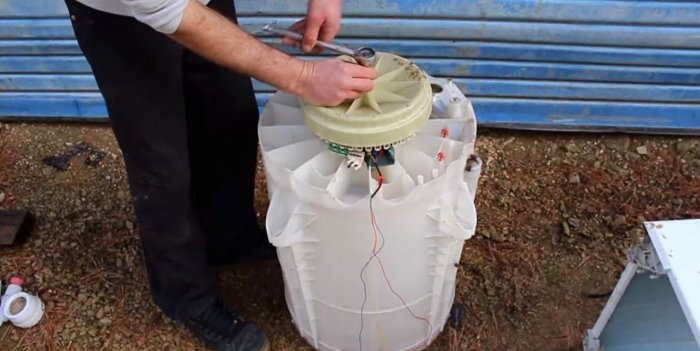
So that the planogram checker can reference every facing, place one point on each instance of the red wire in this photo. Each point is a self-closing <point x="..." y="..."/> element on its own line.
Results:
<point x="376" y="229"/>
<point x="386" y="278"/>
<point x="376" y="236"/>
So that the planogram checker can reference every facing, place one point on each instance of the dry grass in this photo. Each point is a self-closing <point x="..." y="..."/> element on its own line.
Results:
<point x="521" y="279"/>
<point x="6" y="158"/>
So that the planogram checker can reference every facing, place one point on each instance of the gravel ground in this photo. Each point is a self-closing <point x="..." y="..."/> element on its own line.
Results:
<point x="556" y="214"/>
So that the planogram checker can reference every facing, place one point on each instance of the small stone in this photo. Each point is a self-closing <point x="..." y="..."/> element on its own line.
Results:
<point x="100" y="313"/>
<point x="691" y="168"/>
<point x="565" y="228"/>
<point x="638" y="233"/>
<point x="685" y="145"/>
<point x="618" y="143"/>
<point x="497" y="237"/>
<point x="571" y="147"/>
<point x="105" y="321"/>
<point x="47" y="171"/>
<point x="633" y="157"/>
<point x="620" y="220"/>
<point x="574" y="179"/>
<point x="2" y="197"/>
<point x="486" y="233"/>
<point x="613" y="168"/>
<point x="642" y="150"/>
<point x="574" y="222"/>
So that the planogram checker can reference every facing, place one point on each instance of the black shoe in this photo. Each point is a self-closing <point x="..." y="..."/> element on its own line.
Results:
<point x="222" y="330"/>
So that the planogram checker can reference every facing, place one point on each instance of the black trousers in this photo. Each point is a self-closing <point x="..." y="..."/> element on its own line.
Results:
<point x="187" y="130"/>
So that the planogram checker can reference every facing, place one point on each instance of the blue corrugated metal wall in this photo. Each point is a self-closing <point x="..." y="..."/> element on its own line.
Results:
<point x="544" y="64"/>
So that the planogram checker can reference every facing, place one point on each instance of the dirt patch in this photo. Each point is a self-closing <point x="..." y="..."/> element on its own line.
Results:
<point x="556" y="214"/>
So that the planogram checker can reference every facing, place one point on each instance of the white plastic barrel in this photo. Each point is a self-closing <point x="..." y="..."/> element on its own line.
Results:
<point x="351" y="284"/>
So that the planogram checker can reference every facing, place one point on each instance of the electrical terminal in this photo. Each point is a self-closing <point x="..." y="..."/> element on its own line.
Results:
<point x="355" y="159"/>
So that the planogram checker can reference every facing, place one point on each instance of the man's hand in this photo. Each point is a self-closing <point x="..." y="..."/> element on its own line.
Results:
<point x="330" y="82"/>
<point x="322" y="22"/>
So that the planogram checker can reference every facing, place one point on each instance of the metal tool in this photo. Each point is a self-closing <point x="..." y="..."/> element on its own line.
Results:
<point x="364" y="55"/>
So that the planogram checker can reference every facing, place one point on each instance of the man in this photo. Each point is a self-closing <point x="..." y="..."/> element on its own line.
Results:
<point x="175" y="78"/>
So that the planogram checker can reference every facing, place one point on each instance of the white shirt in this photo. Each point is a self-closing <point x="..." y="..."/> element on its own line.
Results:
<point x="163" y="15"/>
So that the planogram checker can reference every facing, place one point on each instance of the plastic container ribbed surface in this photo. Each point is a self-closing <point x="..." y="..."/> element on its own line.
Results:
<point x="351" y="285"/>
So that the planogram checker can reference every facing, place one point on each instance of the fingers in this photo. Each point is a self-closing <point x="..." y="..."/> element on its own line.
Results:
<point x="355" y="94"/>
<point x="343" y="97"/>
<point x="313" y="26"/>
<point x="326" y="33"/>
<point x="359" y="71"/>
<point x="329" y="30"/>
<point x="361" y="85"/>
<point x="334" y="81"/>
<point x="358" y="78"/>
<point x="298" y="27"/>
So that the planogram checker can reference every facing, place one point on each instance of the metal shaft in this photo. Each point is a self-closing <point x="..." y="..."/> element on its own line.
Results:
<point x="297" y="36"/>
<point x="364" y="56"/>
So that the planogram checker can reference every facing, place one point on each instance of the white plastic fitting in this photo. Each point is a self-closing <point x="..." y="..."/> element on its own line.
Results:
<point x="14" y="286"/>
<point x="23" y="310"/>
<point x="454" y="108"/>
<point x="472" y="173"/>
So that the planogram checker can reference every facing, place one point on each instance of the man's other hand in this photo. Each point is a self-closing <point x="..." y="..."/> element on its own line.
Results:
<point x="322" y="22"/>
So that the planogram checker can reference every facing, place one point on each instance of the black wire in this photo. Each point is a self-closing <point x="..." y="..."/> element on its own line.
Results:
<point x="375" y="192"/>
<point x="373" y="256"/>
<point x="379" y="171"/>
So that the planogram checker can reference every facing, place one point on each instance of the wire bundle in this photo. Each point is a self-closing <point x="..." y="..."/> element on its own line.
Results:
<point x="380" y="238"/>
